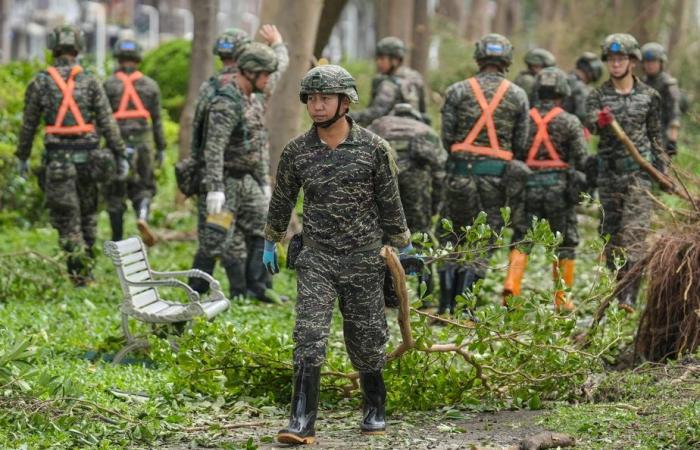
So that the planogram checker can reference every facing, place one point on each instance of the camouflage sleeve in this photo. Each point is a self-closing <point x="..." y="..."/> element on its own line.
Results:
<point x="578" y="149"/>
<point x="449" y="120"/>
<point x="30" y="120"/>
<point x="282" y="64"/>
<point x="437" y="167"/>
<point x="674" y="99"/>
<point x="521" y="129"/>
<point x="102" y="112"/>
<point x="385" y="99"/>
<point x="654" y="131"/>
<point x="156" y="121"/>
<point x="284" y="196"/>
<point x="579" y="98"/>
<point x="593" y="106"/>
<point x="387" y="198"/>
<point x="221" y="121"/>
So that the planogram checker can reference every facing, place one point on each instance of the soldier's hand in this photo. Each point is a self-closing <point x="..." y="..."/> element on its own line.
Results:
<point x="215" y="202"/>
<point x="22" y="168"/>
<point x="605" y="117"/>
<point x="412" y="264"/>
<point x="159" y="159"/>
<point x="671" y="148"/>
<point x="269" y="258"/>
<point x="271" y="34"/>
<point x="122" y="169"/>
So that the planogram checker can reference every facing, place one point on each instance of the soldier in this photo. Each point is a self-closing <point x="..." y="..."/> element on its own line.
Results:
<point x="75" y="109"/>
<point x="589" y="69"/>
<point x="654" y="60"/>
<point x="351" y="201"/>
<point x="484" y="123"/>
<point x="536" y="60"/>
<point x="421" y="162"/>
<point x="135" y="98"/>
<point x="556" y="156"/>
<point x="621" y="181"/>
<point x="395" y="83"/>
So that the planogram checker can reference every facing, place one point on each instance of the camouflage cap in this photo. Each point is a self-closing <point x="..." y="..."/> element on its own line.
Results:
<point x="552" y="80"/>
<point x="230" y="43"/>
<point x="622" y="44"/>
<point x="591" y="64"/>
<point x="653" y="51"/>
<point x="540" y="57"/>
<point x="391" y="46"/>
<point x="127" y="49"/>
<point x="328" y="79"/>
<point x="494" y="48"/>
<point x="406" y="110"/>
<point x="66" y="38"/>
<point x="257" y="57"/>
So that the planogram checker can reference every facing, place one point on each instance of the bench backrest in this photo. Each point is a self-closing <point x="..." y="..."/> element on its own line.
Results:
<point x="130" y="259"/>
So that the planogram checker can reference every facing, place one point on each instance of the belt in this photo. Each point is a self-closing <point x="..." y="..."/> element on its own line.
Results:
<point x="70" y="146"/>
<point x="478" y="167"/>
<point x="626" y="164"/>
<point x="74" y="156"/>
<point x="374" y="245"/>
<point x="542" y="178"/>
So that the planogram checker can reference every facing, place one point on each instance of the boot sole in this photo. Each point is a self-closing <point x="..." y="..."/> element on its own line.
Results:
<point x="373" y="432"/>
<point x="289" y="438"/>
<point x="146" y="234"/>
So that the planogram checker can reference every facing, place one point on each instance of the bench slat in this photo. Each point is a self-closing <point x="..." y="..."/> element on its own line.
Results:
<point x="132" y="258"/>
<point x="140" y="276"/>
<point x="136" y="267"/>
<point x="155" y="307"/>
<point x="128" y="246"/>
<point x="144" y="298"/>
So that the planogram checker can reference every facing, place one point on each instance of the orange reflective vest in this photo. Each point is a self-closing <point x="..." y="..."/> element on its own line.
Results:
<point x="67" y="103"/>
<point x="486" y="120"/>
<point x="542" y="138"/>
<point x="130" y="96"/>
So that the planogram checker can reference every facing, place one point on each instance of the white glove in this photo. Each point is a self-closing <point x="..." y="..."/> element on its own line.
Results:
<point x="267" y="192"/>
<point x="215" y="202"/>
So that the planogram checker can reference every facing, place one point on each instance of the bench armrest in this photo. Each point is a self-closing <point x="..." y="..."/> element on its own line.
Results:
<point x="214" y="285"/>
<point x="170" y="282"/>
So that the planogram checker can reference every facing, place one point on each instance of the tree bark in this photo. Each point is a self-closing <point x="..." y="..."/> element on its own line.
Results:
<point x="477" y="21"/>
<point x="646" y="18"/>
<point x="332" y="9"/>
<point x="298" y="27"/>
<point x="421" y="37"/>
<point x="678" y="27"/>
<point x="395" y="18"/>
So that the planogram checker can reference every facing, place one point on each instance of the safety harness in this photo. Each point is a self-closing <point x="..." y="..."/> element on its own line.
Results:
<point x="67" y="103"/>
<point x="553" y="161"/>
<point x="130" y="96"/>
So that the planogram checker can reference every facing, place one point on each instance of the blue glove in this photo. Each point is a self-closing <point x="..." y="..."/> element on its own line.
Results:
<point x="159" y="159"/>
<point x="412" y="264"/>
<point x="270" y="257"/>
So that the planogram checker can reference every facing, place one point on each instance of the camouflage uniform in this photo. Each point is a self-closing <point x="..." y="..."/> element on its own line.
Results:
<point x="667" y="87"/>
<point x="576" y="102"/>
<point x="526" y="78"/>
<point x="69" y="180"/>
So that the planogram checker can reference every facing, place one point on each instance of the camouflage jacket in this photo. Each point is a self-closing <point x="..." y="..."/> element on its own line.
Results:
<point x="461" y="111"/>
<point x="565" y="132"/>
<point x="576" y="102"/>
<point x="351" y="195"/>
<point x="149" y="93"/>
<point x="637" y="113"/>
<point x="667" y="87"/>
<point x="526" y="81"/>
<point x="43" y="99"/>
<point x="404" y="86"/>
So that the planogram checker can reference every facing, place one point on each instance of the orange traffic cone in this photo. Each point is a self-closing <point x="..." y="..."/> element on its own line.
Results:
<point x="564" y="270"/>
<point x="517" y="262"/>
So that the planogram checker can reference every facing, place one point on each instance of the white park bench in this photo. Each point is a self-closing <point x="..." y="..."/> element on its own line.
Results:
<point x="141" y="299"/>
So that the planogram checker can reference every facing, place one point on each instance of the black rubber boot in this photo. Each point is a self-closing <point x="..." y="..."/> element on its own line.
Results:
<point x="447" y="288"/>
<point x="307" y="383"/>
<point x="205" y="264"/>
<point x="373" y="401"/>
<point x="257" y="278"/>
<point x="116" y="221"/>
<point x="235" y="272"/>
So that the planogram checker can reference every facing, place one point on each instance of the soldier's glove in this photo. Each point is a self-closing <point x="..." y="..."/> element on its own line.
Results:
<point x="671" y="148"/>
<point x="22" y="168"/>
<point x="267" y="192"/>
<point x="412" y="264"/>
<point x="215" y="202"/>
<point x="159" y="159"/>
<point x="269" y="258"/>
<point x="605" y="117"/>
<point x="122" y="169"/>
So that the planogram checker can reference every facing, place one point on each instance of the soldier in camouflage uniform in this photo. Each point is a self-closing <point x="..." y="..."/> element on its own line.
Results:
<point x="556" y="156"/>
<point x="536" y="60"/>
<point x="484" y="123"/>
<point x="589" y="69"/>
<point x="653" y="61"/>
<point x="75" y="109"/>
<point x="621" y="181"/>
<point x="351" y="201"/>
<point x="135" y="98"/>
<point x="395" y="83"/>
<point x="421" y="162"/>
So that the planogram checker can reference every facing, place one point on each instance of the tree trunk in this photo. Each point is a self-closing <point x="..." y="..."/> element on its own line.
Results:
<point x="477" y="21"/>
<point x="453" y="10"/>
<point x="421" y="37"/>
<point x="678" y="25"/>
<point x="395" y="18"/>
<point x="646" y="15"/>
<point x="332" y="9"/>
<point x="298" y="26"/>
<point x="507" y="17"/>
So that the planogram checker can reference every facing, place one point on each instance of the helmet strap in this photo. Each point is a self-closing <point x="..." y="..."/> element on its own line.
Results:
<point x="334" y="119"/>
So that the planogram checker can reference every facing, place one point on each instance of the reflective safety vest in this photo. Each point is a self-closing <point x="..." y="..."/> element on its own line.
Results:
<point x="486" y="120"/>
<point x="67" y="103"/>
<point x="129" y="95"/>
<point x="542" y="138"/>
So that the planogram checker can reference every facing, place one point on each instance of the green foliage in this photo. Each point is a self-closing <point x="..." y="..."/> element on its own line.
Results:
<point x="169" y="66"/>
<point x="455" y="50"/>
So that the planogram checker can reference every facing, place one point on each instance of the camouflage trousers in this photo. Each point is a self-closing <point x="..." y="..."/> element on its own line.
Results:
<point x="213" y="242"/>
<point x="357" y="281"/>
<point x="551" y="203"/>
<point x="627" y="213"/>
<point x="139" y="185"/>
<point x="415" y="191"/>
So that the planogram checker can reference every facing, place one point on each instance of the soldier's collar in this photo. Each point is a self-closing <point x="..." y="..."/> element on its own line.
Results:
<point x="62" y="61"/>
<point x="313" y="139"/>
<point x="485" y="73"/>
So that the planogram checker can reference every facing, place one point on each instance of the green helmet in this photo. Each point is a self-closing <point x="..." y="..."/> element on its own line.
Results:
<point x="230" y="43"/>
<point x="552" y="81"/>
<point x="540" y="57"/>
<point x="406" y="110"/>
<point x="622" y="44"/>
<point x="257" y="57"/>
<point x="653" y="51"/>
<point x="66" y="38"/>
<point x="127" y="49"/>
<point x="494" y="48"/>
<point x="589" y="63"/>
<point x="392" y="47"/>
<point x="328" y="79"/>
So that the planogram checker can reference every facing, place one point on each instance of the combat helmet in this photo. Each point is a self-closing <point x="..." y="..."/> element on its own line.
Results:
<point x="540" y="57"/>
<point x="494" y="48"/>
<point x="392" y="47"/>
<point x="127" y="49"/>
<point x="589" y="63"/>
<point x="552" y="82"/>
<point x="406" y="110"/>
<point x="66" y="38"/>
<point x="230" y="43"/>
<point x="328" y="79"/>
<point x="622" y="44"/>
<point x="653" y="51"/>
<point x="257" y="57"/>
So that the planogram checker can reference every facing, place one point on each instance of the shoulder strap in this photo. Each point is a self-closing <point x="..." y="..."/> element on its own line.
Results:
<point x="130" y="96"/>
<point x="67" y="104"/>
<point x="553" y="161"/>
